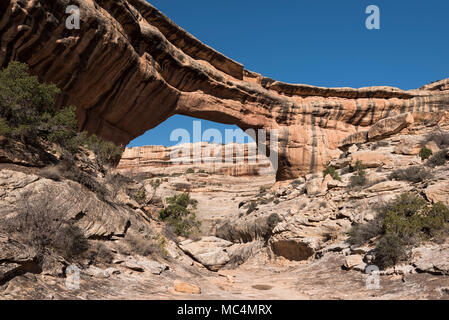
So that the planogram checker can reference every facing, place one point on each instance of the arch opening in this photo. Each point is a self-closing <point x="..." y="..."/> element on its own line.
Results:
<point x="199" y="145"/>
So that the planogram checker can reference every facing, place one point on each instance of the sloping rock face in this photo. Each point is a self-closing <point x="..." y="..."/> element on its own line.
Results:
<point x="208" y="158"/>
<point x="129" y="68"/>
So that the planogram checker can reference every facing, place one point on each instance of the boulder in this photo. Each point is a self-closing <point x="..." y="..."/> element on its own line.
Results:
<point x="352" y="261"/>
<point x="390" y="126"/>
<point x="387" y="186"/>
<point x="16" y="259"/>
<point x="318" y="186"/>
<point x="431" y="258"/>
<point x="141" y="264"/>
<point x="438" y="192"/>
<point x="372" y="159"/>
<point x="185" y="287"/>
<point x="355" y="138"/>
<point x="412" y="145"/>
<point x="209" y="251"/>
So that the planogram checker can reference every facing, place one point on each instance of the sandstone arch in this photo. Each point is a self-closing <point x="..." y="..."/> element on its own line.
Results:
<point x="129" y="68"/>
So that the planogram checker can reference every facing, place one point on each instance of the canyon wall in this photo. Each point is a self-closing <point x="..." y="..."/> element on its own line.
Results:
<point x="129" y="68"/>
<point x="231" y="160"/>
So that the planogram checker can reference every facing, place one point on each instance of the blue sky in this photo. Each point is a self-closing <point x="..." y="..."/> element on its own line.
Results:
<point x="320" y="42"/>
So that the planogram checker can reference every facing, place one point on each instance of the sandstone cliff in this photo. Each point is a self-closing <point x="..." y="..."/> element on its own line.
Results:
<point x="129" y="68"/>
<point x="159" y="160"/>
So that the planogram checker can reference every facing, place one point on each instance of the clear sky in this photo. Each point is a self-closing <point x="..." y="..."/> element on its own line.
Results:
<point x="317" y="42"/>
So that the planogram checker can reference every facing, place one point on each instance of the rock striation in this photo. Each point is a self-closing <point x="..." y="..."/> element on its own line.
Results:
<point x="202" y="157"/>
<point x="129" y="68"/>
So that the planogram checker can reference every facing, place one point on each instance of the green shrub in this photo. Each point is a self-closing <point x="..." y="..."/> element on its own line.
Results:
<point x="28" y="112"/>
<point x="412" y="174"/>
<point x="107" y="152"/>
<point x="87" y="181"/>
<point x="389" y="251"/>
<point x="405" y="221"/>
<point x="441" y="138"/>
<point x="190" y="170"/>
<point x="332" y="172"/>
<point x="359" y="179"/>
<point x="98" y="253"/>
<point x="425" y="153"/>
<point x="438" y="159"/>
<point x="62" y="129"/>
<point x="359" y="166"/>
<point x="141" y="196"/>
<point x="362" y="232"/>
<point x="23" y="99"/>
<point x="141" y="245"/>
<point x="179" y="214"/>
<point x="5" y="129"/>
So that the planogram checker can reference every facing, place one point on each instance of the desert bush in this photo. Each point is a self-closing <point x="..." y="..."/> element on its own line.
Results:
<point x="438" y="159"/>
<point x="359" y="179"/>
<point x="43" y="226"/>
<point x="23" y="99"/>
<point x="179" y="214"/>
<point x="140" y="245"/>
<point x="28" y="109"/>
<point x="155" y="185"/>
<point x="441" y="138"/>
<point x="389" y="251"/>
<point x="98" y="253"/>
<point x="62" y="129"/>
<point x="412" y="174"/>
<point x="404" y="221"/>
<point x="52" y="172"/>
<point x="116" y="181"/>
<point x="5" y="129"/>
<point x="87" y="181"/>
<point x="252" y="207"/>
<point x="168" y="232"/>
<point x="379" y="144"/>
<point x="425" y="153"/>
<point x="190" y="170"/>
<point x="140" y="196"/>
<point x="332" y="172"/>
<point x="28" y="112"/>
<point x="273" y="220"/>
<point x="359" y="166"/>
<point x="362" y="232"/>
<point x="161" y="243"/>
<point x="107" y="152"/>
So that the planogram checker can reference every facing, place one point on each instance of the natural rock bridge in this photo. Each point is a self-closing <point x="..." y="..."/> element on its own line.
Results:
<point x="129" y="68"/>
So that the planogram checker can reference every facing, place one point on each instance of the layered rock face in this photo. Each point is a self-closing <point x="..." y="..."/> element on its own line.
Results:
<point x="231" y="160"/>
<point x="129" y="68"/>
